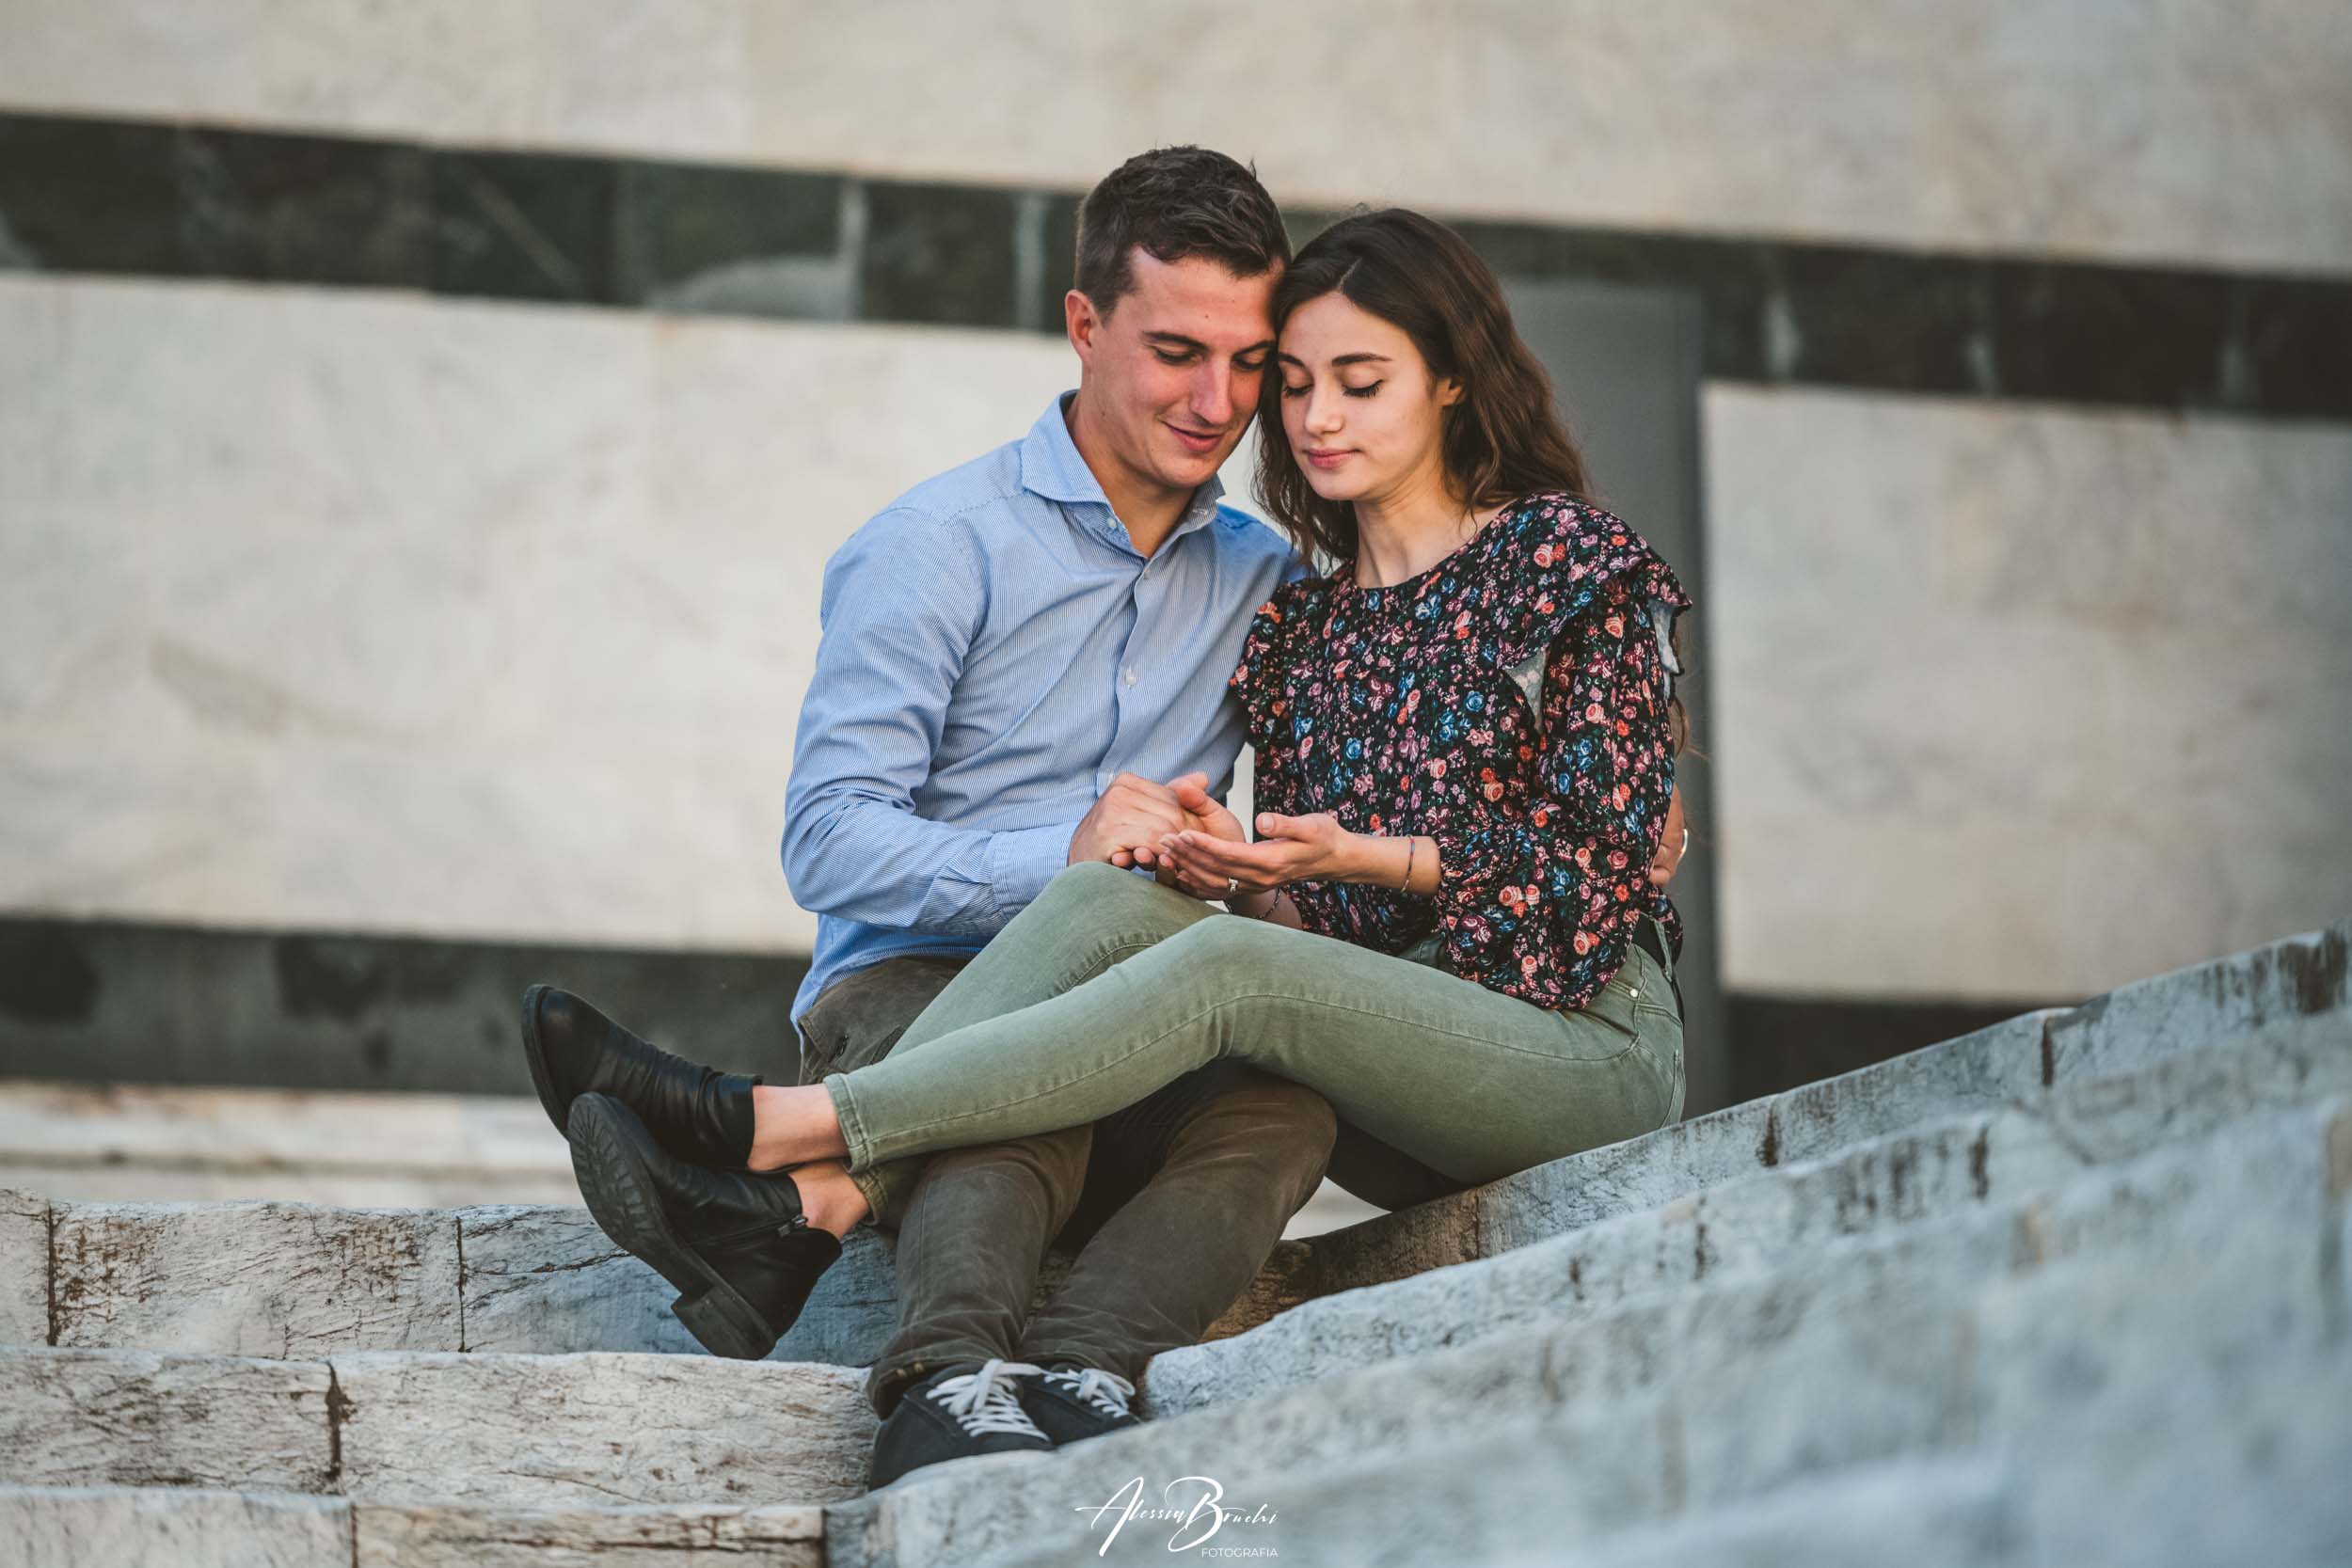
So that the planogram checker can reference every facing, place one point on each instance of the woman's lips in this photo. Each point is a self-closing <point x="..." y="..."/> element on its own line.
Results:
<point x="1328" y="458"/>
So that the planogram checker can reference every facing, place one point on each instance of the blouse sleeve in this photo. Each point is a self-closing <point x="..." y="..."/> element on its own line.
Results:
<point x="1537" y="894"/>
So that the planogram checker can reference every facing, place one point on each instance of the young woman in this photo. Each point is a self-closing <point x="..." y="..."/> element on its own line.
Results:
<point x="1465" y="739"/>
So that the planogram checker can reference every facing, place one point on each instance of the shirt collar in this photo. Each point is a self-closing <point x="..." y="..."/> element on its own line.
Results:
<point x="1052" y="468"/>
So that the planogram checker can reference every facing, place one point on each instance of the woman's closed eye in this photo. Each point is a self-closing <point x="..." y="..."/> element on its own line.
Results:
<point x="1300" y="389"/>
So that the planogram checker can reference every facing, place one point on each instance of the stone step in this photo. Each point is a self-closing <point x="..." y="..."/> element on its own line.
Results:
<point x="1977" y="1162"/>
<point x="118" y="1142"/>
<point x="301" y="1280"/>
<point x="1945" y="1511"/>
<point x="1864" y="1349"/>
<point x="2294" y="990"/>
<point x="494" y="1430"/>
<point x="286" y="1279"/>
<point x="1939" y="1513"/>
<point x="186" y="1528"/>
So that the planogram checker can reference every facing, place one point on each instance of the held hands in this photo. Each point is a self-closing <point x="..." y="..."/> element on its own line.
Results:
<point x="1189" y="841"/>
<point x="1216" y="861"/>
<point x="1132" y="818"/>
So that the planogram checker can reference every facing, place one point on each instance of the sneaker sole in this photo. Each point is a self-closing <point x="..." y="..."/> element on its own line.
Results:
<point x="613" y="1158"/>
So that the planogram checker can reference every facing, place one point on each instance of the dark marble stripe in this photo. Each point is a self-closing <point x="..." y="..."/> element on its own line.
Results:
<point x="119" y="1002"/>
<point x="100" y="1001"/>
<point x="1778" y="1042"/>
<point x="90" y="196"/>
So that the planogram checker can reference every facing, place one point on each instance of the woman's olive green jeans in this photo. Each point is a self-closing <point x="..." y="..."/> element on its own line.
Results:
<point x="1110" y="986"/>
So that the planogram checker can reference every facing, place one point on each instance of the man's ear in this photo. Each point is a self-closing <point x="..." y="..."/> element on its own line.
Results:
<point x="1083" y="322"/>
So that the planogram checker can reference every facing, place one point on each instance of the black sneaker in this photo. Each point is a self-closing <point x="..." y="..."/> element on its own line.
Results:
<point x="970" y="1407"/>
<point x="699" y="1113"/>
<point x="739" y="1249"/>
<point x="1071" y="1403"/>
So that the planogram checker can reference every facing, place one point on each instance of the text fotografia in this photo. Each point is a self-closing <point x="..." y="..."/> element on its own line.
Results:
<point x="1194" y="1504"/>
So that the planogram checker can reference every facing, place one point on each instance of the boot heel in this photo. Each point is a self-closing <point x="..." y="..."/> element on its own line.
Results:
<point x="725" y="1324"/>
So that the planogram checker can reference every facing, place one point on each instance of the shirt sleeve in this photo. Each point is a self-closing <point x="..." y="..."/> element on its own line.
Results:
<point x="902" y="603"/>
<point x="1537" y="894"/>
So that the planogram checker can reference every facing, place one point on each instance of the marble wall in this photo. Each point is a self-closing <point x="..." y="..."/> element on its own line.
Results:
<point x="354" y="611"/>
<point x="408" y="523"/>
<point x="2018" y="702"/>
<point x="2176" y="131"/>
<point x="344" y="611"/>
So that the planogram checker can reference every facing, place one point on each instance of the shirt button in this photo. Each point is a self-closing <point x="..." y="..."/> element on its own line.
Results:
<point x="1131" y="677"/>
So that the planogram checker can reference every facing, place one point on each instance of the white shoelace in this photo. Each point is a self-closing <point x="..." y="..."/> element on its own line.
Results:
<point x="1106" y="1391"/>
<point x="989" y="1400"/>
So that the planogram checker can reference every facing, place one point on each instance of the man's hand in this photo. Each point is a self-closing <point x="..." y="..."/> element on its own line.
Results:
<point x="1130" y="820"/>
<point x="1670" y="845"/>
<point x="1207" y="817"/>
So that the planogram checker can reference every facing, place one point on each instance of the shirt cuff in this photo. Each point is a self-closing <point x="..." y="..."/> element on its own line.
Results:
<point x="1022" y="861"/>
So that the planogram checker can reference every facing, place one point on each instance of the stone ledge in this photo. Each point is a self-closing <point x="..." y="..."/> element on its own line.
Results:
<point x="103" y="1527"/>
<point x="2294" y="990"/>
<point x="187" y="1527"/>
<point x="24" y="1268"/>
<point x="138" y="1418"/>
<point x="537" y="1429"/>
<point x="1962" y="1165"/>
<point x="497" y="1431"/>
<point x="1692" y="1399"/>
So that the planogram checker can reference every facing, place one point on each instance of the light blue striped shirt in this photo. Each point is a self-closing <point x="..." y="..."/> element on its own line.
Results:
<point x="995" y="652"/>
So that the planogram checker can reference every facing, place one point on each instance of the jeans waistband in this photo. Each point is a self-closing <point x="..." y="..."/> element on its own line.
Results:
<point x="1648" y="935"/>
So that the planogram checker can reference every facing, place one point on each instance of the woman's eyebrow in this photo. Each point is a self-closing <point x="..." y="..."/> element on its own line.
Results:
<point x="1366" y="358"/>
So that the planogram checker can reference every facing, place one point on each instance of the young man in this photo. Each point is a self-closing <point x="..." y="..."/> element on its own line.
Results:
<point x="1022" y="667"/>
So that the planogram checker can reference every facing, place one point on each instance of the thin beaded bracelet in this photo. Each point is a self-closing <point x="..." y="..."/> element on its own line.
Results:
<point x="1412" y="848"/>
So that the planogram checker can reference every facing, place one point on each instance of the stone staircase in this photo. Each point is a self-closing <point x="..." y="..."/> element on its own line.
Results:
<point x="2070" y="1289"/>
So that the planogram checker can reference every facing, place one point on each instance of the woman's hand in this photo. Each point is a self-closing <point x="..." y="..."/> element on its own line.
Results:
<point x="1204" y="815"/>
<point x="1288" y="849"/>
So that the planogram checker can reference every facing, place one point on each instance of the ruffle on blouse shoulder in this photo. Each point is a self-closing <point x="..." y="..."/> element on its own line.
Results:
<point x="1558" y="559"/>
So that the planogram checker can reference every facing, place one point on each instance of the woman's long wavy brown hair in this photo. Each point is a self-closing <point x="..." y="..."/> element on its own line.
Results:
<point x="1502" y="441"/>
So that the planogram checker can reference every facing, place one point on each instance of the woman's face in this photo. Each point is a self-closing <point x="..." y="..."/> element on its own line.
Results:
<point x="1362" y="413"/>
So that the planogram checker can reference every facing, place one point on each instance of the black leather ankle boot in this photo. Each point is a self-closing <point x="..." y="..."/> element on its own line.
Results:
<point x="736" y="1245"/>
<point x="699" y="1113"/>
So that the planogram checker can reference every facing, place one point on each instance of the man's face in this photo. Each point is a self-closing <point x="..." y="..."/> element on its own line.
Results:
<point x="1172" y="375"/>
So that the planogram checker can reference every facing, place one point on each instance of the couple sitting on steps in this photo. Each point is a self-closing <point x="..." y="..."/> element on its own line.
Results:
<point x="1445" y="953"/>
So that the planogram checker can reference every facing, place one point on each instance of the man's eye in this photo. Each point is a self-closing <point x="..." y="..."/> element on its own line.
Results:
<point x="1165" y="357"/>
<point x="1251" y="367"/>
<point x="1366" y="391"/>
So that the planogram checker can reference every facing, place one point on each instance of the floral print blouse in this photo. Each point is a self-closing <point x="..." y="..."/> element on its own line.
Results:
<point x="1405" y="710"/>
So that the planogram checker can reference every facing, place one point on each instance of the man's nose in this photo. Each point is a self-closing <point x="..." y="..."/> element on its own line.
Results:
<point x="1212" y="397"/>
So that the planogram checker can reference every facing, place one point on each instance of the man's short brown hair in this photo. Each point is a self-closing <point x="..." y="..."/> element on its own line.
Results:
<point x="1176" y="202"/>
